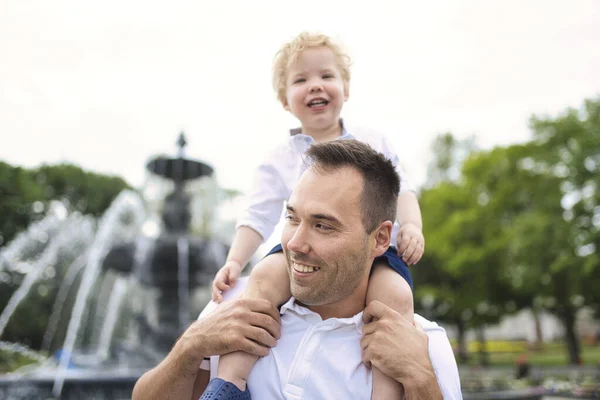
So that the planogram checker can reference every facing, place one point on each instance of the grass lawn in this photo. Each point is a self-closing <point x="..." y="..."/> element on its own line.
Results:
<point x="552" y="354"/>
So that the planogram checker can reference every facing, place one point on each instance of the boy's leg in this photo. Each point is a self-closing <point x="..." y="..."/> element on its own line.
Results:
<point x="389" y="287"/>
<point x="269" y="280"/>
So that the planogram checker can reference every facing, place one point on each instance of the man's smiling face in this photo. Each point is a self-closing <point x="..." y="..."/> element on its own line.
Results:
<point x="324" y="237"/>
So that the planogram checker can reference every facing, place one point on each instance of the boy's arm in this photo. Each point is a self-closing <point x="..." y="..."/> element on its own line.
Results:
<point x="411" y="242"/>
<point x="409" y="211"/>
<point x="244" y="245"/>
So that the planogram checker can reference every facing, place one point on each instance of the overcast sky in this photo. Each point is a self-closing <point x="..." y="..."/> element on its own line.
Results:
<point x="107" y="84"/>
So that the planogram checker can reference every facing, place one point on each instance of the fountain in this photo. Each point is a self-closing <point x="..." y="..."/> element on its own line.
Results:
<point x="129" y="294"/>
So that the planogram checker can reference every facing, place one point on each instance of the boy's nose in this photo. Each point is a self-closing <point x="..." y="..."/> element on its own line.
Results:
<point x="316" y="87"/>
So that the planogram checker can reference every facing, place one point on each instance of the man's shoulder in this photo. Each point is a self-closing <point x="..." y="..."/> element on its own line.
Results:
<point x="227" y="295"/>
<point x="239" y="287"/>
<point x="427" y="324"/>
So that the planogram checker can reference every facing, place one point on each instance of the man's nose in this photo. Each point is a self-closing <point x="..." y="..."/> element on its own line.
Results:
<point x="298" y="243"/>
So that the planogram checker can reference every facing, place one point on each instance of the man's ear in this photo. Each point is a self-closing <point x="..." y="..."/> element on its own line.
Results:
<point x="381" y="238"/>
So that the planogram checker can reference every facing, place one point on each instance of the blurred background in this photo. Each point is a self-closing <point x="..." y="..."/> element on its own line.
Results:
<point x="494" y="109"/>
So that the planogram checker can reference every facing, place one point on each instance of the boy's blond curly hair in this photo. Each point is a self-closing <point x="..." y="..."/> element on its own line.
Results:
<point x="290" y="51"/>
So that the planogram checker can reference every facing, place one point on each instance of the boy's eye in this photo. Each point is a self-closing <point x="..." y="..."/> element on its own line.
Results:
<point x="327" y="76"/>
<point x="299" y="80"/>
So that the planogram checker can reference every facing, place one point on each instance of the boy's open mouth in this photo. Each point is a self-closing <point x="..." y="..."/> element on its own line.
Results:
<point x="314" y="103"/>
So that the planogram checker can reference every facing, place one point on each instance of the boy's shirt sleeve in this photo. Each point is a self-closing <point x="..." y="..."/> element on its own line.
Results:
<point x="265" y="198"/>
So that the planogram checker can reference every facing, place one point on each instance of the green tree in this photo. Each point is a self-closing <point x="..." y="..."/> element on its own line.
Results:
<point x="519" y="227"/>
<point x="459" y="274"/>
<point x="21" y="189"/>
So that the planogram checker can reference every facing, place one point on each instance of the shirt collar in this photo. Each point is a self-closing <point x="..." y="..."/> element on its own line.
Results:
<point x="302" y="141"/>
<point x="292" y="306"/>
<point x="298" y="131"/>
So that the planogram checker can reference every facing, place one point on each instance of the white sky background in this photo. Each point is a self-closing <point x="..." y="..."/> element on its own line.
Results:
<point x="107" y="84"/>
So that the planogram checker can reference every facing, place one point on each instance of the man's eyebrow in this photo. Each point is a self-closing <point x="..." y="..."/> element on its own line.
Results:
<point x="325" y="217"/>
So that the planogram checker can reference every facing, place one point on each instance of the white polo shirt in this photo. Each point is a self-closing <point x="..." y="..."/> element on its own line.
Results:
<point x="276" y="176"/>
<point x="316" y="359"/>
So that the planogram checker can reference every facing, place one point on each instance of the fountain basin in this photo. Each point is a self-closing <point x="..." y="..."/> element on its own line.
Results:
<point x="78" y="384"/>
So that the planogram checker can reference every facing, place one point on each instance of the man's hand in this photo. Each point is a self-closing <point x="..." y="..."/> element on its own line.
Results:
<point x="411" y="243"/>
<point x="399" y="349"/>
<point x="249" y="325"/>
<point x="225" y="279"/>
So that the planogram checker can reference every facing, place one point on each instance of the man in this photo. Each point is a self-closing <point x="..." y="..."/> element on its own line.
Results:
<point x="333" y="233"/>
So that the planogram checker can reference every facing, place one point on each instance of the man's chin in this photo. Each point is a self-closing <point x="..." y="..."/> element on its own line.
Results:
<point x="304" y="297"/>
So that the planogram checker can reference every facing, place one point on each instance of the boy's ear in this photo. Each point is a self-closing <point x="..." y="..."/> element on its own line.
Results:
<point x="346" y="92"/>
<point x="285" y="105"/>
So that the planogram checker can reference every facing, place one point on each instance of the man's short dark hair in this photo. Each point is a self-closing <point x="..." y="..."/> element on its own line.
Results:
<point x="381" y="182"/>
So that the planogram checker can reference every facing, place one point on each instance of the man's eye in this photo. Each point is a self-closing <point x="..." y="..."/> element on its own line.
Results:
<point x="323" y="227"/>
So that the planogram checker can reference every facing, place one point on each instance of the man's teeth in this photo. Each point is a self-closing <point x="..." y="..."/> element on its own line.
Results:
<point x="305" y="268"/>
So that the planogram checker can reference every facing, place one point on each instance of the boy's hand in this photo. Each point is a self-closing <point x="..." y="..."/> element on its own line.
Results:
<point x="225" y="279"/>
<point x="411" y="243"/>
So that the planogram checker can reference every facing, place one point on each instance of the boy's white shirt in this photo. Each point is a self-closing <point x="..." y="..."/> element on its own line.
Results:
<point x="277" y="175"/>
<point x="316" y="359"/>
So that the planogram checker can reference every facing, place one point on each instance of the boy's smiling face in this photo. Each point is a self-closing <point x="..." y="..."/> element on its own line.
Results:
<point x="315" y="91"/>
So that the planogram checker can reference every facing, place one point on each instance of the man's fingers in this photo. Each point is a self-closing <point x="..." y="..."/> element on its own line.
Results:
<point x="365" y="354"/>
<point x="248" y="346"/>
<point x="267" y="323"/>
<point x="264" y="307"/>
<point x="375" y="310"/>
<point x="261" y="336"/>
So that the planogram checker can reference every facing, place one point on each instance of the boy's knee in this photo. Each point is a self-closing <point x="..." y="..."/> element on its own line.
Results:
<point x="269" y="268"/>
<point x="269" y="279"/>
<point x="389" y="287"/>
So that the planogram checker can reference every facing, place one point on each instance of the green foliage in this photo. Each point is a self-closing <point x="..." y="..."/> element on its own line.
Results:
<point x="519" y="227"/>
<point x="21" y="189"/>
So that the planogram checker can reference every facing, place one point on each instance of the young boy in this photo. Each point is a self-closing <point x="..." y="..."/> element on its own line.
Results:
<point x="311" y="76"/>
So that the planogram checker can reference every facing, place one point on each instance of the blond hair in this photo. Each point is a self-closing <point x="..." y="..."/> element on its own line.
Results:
<point x="290" y="51"/>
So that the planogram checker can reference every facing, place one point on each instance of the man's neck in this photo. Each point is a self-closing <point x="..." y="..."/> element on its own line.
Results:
<point x="324" y="134"/>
